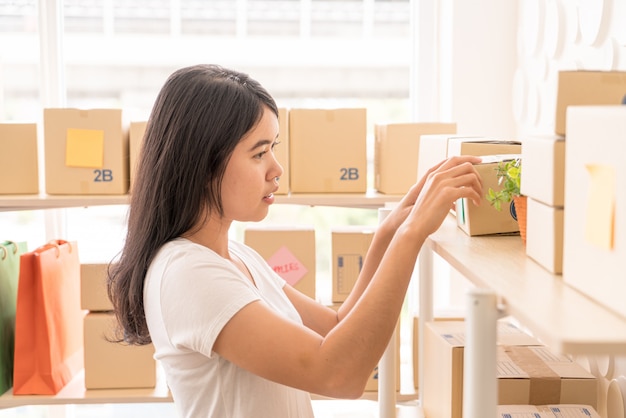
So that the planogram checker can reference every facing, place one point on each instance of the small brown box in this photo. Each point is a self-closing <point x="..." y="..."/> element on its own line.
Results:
<point x="327" y="150"/>
<point x="93" y="292"/>
<point x="528" y="373"/>
<point x="111" y="365"/>
<point x="434" y="149"/>
<point x="86" y="152"/>
<point x="18" y="158"/>
<point x="349" y="248"/>
<point x="482" y="146"/>
<point x="581" y="88"/>
<point x="543" y="176"/>
<point x="396" y="153"/>
<point x="485" y="219"/>
<point x="289" y="250"/>
<point x="135" y="141"/>
<point x="544" y="235"/>
<point x="281" y="151"/>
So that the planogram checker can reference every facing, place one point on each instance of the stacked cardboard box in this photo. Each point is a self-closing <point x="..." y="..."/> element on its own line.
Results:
<point x="289" y="250"/>
<point x="580" y="88"/>
<point x="327" y="150"/>
<point x="543" y="182"/>
<point x="349" y="246"/>
<point x="109" y="364"/>
<point x="396" y="153"/>
<point x="594" y="246"/>
<point x="281" y="151"/>
<point x="86" y="151"/>
<point x="528" y="373"/>
<point x="135" y="141"/>
<point x="485" y="219"/>
<point x="18" y="158"/>
<point x="547" y="411"/>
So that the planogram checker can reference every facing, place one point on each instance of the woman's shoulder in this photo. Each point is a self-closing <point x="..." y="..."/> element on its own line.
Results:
<point x="244" y="250"/>
<point x="182" y="249"/>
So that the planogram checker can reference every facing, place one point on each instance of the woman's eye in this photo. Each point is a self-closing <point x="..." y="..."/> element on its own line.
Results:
<point x="260" y="154"/>
<point x="274" y="144"/>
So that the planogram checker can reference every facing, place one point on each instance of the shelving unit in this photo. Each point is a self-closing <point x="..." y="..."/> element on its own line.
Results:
<point x="369" y="200"/>
<point x="75" y="392"/>
<point x="560" y="316"/>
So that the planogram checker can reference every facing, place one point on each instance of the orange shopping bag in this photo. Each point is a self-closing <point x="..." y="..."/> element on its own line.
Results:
<point x="49" y="320"/>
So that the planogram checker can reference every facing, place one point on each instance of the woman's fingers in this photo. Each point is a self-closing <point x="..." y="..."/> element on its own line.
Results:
<point x="454" y="179"/>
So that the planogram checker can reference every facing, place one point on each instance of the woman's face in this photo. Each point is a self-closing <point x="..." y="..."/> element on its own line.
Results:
<point x="249" y="181"/>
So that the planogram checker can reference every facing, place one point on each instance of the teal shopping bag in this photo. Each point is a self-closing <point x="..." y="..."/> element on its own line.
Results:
<point x="9" y="273"/>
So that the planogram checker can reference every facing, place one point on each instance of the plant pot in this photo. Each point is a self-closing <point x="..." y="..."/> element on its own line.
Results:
<point x="520" y="212"/>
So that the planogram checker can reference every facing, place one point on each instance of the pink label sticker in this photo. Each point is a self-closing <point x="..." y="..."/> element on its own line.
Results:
<point x="287" y="266"/>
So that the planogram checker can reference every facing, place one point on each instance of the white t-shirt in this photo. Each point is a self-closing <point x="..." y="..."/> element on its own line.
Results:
<point x="190" y="294"/>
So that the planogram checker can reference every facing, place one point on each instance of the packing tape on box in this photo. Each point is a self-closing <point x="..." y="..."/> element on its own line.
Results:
<point x="545" y="384"/>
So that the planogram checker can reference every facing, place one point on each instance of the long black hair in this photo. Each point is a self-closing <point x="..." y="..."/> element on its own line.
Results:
<point x="199" y="116"/>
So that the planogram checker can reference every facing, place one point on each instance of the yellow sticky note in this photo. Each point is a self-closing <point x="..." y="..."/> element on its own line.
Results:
<point x="600" y="222"/>
<point x="84" y="148"/>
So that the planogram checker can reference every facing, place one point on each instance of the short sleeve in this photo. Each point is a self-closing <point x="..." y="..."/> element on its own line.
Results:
<point x="200" y="292"/>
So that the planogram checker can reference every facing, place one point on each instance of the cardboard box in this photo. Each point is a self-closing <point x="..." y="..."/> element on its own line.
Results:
<point x="289" y="250"/>
<point x="396" y="153"/>
<point x="415" y="343"/>
<point x="543" y="176"/>
<point x="18" y="158"/>
<point x="485" y="219"/>
<point x="93" y="291"/>
<point x="594" y="247"/>
<point x="576" y="88"/>
<point x="434" y="149"/>
<point x="327" y="150"/>
<point x="482" y="146"/>
<point x="349" y="246"/>
<point x="86" y="152"/>
<point x="544" y="235"/>
<point x="135" y="141"/>
<point x="281" y="151"/>
<point x="527" y="373"/>
<point x="547" y="411"/>
<point x="110" y="365"/>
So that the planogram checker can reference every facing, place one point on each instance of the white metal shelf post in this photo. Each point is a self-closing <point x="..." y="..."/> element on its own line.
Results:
<point x="53" y="89"/>
<point x="480" y="393"/>
<point x="387" y="364"/>
<point x="426" y="309"/>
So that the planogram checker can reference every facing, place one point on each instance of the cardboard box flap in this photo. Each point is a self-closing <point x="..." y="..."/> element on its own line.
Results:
<point x="547" y="411"/>
<point x="545" y="384"/>
<point x="453" y="332"/>
<point x="497" y="158"/>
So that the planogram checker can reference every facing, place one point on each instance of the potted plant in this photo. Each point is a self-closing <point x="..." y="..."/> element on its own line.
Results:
<point x="509" y="174"/>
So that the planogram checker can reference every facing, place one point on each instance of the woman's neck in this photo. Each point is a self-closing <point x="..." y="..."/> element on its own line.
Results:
<point x="212" y="234"/>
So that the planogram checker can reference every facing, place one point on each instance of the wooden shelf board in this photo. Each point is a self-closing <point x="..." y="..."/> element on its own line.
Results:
<point x="75" y="393"/>
<point x="561" y="316"/>
<point x="371" y="200"/>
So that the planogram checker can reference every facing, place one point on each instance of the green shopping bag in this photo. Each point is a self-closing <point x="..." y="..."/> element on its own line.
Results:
<point x="9" y="272"/>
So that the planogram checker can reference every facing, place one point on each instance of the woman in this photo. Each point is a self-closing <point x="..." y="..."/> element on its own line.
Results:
<point x="234" y="339"/>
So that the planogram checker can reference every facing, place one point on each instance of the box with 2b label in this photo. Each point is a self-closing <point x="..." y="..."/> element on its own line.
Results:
<point x="327" y="150"/>
<point x="86" y="151"/>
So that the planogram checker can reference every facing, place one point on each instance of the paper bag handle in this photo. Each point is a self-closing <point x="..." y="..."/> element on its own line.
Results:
<point x="5" y="252"/>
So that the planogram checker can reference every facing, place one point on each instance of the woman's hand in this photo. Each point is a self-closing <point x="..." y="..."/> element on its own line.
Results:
<point x="399" y="214"/>
<point x="453" y="179"/>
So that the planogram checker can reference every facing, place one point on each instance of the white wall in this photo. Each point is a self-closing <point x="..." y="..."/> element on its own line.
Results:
<point x="483" y="65"/>
<point x="555" y="35"/>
